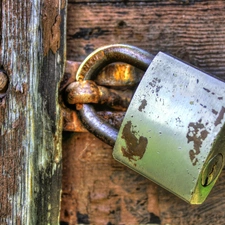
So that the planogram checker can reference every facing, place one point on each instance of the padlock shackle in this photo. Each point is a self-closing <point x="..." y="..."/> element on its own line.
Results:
<point x="103" y="56"/>
<point x="90" y="68"/>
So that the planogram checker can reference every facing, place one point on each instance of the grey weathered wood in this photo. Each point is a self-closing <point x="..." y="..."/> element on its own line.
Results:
<point x="32" y="53"/>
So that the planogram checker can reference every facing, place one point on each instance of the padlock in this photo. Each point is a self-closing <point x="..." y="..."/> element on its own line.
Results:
<point x="173" y="132"/>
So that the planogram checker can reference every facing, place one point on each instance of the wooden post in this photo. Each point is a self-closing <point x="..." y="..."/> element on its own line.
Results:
<point x="32" y="54"/>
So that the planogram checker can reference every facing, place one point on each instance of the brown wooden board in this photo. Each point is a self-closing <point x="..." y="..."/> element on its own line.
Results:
<point x="169" y="2"/>
<point x="98" y="190"/>
<point x="32" y="54"/>
<point x="195" y="33"/>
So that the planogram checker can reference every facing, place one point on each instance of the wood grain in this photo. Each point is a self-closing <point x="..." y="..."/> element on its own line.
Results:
<point x="194" y="32"/>
<point x="30" y="124"/>
<point x="99" y="190"/>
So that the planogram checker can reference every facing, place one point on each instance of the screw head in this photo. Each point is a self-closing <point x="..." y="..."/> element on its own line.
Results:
<point x="3" y="82"/>
<point x="212" y="169"/>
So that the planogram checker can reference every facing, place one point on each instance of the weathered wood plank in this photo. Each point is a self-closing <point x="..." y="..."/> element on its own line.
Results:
<point x="194" y="32"/>
<point x="30" y="121"/>
<point x="98" y="190"/>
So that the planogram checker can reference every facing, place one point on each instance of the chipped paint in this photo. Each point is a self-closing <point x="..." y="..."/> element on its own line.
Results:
<point x="179" y="124"/>
<point x="143" y="104"/>
<point x="197" y="133"/>
<point x="155" y="84"/>
<point x="220" y="116"/>
<point x="135" y="146"/>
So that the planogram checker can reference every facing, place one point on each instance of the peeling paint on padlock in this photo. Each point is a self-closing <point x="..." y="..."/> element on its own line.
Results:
<point x="220" y="116"/>
<point x="135" y="146"/>
<point x="143" y="104"/>
<point x="197" y="133"/>
<point x="180" y="111"/>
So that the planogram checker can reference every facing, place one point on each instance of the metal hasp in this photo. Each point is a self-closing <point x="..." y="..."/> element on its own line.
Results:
<point x="174" y="129"/>
<point x="173" y="132"/>
<point x="91" y="67"/>
<point x="87" y="91"/>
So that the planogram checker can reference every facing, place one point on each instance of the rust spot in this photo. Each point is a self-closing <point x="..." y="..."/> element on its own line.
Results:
<point x="204" y="134"/>
<point x="220" y="116"/>
<point x="196" y="134"/>
<point x="114" y="118"/>
<point x="69" y="76"/>
<point x="134" y="146"/>
<point x="143" y="104"/>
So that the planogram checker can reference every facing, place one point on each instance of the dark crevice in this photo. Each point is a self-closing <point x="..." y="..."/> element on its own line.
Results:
<point x="82" y="218"/>
<point x="126" y="2"/>
<point x="154" y="219"/>
<point x="63" y="223"/>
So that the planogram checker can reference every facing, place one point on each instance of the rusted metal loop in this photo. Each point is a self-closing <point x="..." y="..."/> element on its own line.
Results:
<point x="89" y="69"/>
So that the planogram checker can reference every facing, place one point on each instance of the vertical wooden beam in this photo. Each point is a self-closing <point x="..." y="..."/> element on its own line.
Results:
<point x="32" y="53"/>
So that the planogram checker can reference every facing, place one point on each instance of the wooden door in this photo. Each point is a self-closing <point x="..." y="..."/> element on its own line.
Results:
<point x="32" y="54"/>
<point x="97" y="189"/>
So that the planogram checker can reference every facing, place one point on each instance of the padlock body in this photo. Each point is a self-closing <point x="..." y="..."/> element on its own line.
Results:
<point x="173" y="132"/>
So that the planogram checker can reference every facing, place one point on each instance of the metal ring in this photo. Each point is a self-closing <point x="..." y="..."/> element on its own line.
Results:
<point x="89" y="69"/>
